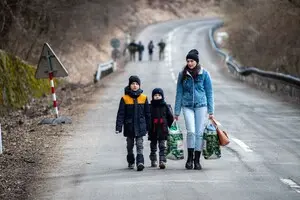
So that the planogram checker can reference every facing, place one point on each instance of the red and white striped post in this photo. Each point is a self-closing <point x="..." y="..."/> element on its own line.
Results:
<point x="49" y="66"/>
<point x="53" y="94"/>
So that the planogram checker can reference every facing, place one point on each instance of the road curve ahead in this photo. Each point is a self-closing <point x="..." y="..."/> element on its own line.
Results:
<point x="261" y="162"/>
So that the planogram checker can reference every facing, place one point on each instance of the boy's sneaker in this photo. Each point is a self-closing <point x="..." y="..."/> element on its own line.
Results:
<point x="162" y="165"/>
<point x="140" y="167"/>
<point x="153" y="163"/>
<point x="130" y="166"/>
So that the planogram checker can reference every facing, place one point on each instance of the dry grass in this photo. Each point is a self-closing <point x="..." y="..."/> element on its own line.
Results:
<point x="265" y="33"/>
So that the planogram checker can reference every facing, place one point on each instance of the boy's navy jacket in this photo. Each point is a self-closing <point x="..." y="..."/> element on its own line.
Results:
<point x="133" y="114"/>
<point x="161" y="119"/>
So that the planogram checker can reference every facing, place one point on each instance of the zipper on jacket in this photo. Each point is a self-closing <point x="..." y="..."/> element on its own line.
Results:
<point x="135" y="117"/>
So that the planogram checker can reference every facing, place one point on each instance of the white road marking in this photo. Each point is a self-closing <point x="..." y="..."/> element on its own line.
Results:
<point x="169" y="53"/>
<point x="291" y="184"/>
<point x="242" y="145"/>
<point x="169" y="39"/>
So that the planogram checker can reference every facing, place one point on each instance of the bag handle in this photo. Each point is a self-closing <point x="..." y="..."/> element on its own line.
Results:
<point x="215" y="122"/>
<point x="175" y="123"/>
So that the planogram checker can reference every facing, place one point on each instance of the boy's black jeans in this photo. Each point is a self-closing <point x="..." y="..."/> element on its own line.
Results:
<point x="139" y="150"/>
<point x="162" y="150"/>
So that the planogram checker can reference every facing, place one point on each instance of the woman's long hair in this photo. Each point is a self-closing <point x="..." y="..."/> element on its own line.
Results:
<point x="194" y="72"/>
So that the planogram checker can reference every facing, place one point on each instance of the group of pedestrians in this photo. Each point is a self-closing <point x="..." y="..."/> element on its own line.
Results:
<point x="137" y="118"/>
<point x="138" y="48"/>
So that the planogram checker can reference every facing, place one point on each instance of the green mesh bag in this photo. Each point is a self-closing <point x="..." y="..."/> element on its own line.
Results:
<point x="175" y="143"/>
<point x="211" y="145"/>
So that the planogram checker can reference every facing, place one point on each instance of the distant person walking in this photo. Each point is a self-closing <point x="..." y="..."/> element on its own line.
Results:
<point x="150" y="50"/>
<point x="132" y="47"/>
<point x="161" y="46"/>
<point x="140" y="50"/>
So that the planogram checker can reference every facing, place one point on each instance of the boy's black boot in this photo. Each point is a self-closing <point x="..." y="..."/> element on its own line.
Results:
<point x="162" y="162"/>
<point x="130" y="160"/>
<point x="130" y="166"/>
<point x="140" y="162"/>
<point x="153" y="159"/>
<point x="197" y="164"/>
<point x="189" y="162"/>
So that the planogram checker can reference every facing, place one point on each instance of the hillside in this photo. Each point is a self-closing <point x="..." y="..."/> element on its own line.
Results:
<point x="80" y="31"/>
<point x="264" y="33"/>
<point x="18" y="84"/>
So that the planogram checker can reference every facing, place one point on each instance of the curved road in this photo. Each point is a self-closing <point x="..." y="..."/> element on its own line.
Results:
<point x="261" y="162"/>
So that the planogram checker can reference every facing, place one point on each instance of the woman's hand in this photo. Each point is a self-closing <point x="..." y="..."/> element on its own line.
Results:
<point x="210" y="116"/>
<point x="176" y="117"/>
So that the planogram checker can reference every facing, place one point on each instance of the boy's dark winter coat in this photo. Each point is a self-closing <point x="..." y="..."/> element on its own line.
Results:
<point x="133" y="113"/>
<point x="161" y="119"/>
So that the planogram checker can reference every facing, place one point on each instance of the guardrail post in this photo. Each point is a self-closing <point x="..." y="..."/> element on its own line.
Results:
<point x="114" y="66"/>
<point x="103" y="67"/>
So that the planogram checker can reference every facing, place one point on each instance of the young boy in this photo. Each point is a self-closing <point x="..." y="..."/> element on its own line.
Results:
<point x="161" y="119"/>
<point x="134" y="115"/>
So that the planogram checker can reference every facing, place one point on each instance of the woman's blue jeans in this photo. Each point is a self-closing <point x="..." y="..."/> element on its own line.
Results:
<point x="195" y="119"/>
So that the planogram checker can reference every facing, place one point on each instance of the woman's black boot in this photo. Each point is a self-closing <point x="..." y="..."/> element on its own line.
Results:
<point x="197" y="164"/>
<point x="189" y="162"/>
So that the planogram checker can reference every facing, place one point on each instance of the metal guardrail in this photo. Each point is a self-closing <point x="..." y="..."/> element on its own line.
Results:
<point x="245" y="71"/>
<point x="110" y="65"/>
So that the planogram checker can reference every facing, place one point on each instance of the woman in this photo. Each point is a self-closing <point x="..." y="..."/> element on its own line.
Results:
<point x="194" y="95"/>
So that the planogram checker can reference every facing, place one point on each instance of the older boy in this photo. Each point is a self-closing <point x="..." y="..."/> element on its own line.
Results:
<point x="134" y="115"/>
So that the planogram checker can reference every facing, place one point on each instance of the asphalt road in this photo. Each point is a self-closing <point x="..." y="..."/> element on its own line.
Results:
<point x="261" y="162"/>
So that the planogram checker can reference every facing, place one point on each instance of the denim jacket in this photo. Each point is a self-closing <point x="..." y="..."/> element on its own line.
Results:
<point x="194" y="93"/>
